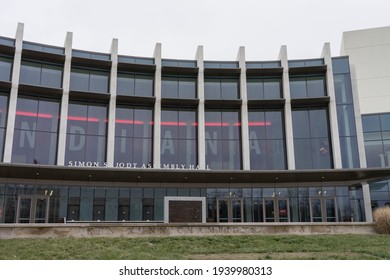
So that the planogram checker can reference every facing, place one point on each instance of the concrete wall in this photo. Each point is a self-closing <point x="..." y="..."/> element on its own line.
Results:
<point x="8" y="231"/>
<point x="369" y="54"/>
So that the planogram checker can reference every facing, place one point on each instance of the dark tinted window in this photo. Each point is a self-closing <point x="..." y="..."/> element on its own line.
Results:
<point x="5" y="68"/>
<point x="89" y="80"/>
<point x="36" y="131"/>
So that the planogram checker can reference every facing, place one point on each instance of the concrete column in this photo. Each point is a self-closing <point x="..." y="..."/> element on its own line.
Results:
<point x="334" y="128"/>
<point x="157" y="107"/>
<point x="64" y="100"/>
<point x="13" y="97"/>
<point x="112" y="104"/>
<point x="367" y="202"/>
<point x="287" y="110"/>
<point x="201" y="110"/>
<point x="246" y="163"/>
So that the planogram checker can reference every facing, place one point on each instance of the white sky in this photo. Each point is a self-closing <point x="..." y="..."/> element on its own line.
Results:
<point x="221" y="26"/>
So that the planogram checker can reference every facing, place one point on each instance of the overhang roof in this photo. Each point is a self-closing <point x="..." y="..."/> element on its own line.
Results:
<point x="165" y="175"/>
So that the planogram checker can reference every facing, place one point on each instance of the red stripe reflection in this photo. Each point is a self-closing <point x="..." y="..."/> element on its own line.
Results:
<point x="33" y="114"/>
<point x="122" y="121"/>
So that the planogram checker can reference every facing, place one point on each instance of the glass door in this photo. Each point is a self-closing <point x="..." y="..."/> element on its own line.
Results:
<point x="323" y="209"/>
<point x="33" y="209"/>
<point x="276" y="209"/>
<point x="230" y="210"/>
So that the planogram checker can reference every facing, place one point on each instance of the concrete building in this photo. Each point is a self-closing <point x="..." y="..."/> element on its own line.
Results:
<point x="88" y="136"/>
<point x="369" y="55"/>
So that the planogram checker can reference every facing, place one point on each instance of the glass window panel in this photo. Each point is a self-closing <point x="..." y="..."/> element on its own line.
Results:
<point x="340" y="65"/>
<point x="343" y="90"/>
<point x="371" y="136"/>
<point x="187" y="125"/>
<point x="379" y="186"/>
<point x="99" y="82"/>
<point x="301" y="125"/>
<point x="95" y="149"/>
<point x="272" y="88"/>
<point x="316" y="86"/>
<point x="231" y="154"/>
<point x="346" y="120"/>
<point x="169" y="151"/>
<point x="318" y="123"/>
<point x="386" y="148"/>
<point x="169" y="124"/>
<point x="125" y="84"/>
<point x="124" y="122"/>
<point x="187" y="153"/>
<point x="26" y="113"/>
<point x="349" y="152"/>
<point x="212" y="89"/>
<point x="374" y="154"/>
<point x="229" y="89"/>
<point x="79" y="80"/>
<point x="214" y="154"/>
<point x="213" y="124"/>
<point x="123" y="150"/>
<point x="371" y="123"/>
<point x="169" y="87"/>
<point x="2" y="139"/>
<point x="23" y="146"/>
<point x="51" y="76"/>
<point x="321" y="156"/>
<point x="385" y="121"/>
<point x="144" y="85"/>
<point x="5" y="69"/>
<point x="303" y="157"/>
<point x="298" y="88"/>
<point x="97" y="120"/>
<point x="45" y="151"/>
<point x="3" y="110"/>
<point x="255" y="89"/>
<point x="143" y="126"/>
<point x="30" y="73"/>
<point x="276" y="155"/>
<point x="77" y="118"/>
<point x="187" y="88"/>
<point x="230" y="125"/>
<point x="274" y="125"/>
<point x="48" y="115"/>
<point x="142" y="151"/>
<point x="257" y="125"/>
<point x="258" y="154"/>
<point x="75" y="147"/>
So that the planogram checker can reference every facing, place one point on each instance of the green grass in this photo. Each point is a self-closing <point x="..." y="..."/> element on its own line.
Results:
<point x="320" y="247"/>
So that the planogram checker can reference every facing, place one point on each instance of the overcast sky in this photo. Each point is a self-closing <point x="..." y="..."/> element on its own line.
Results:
<point x="221" y="26"/>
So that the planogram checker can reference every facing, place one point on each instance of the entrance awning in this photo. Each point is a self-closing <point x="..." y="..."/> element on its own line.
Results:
<point x="167" y="175"/>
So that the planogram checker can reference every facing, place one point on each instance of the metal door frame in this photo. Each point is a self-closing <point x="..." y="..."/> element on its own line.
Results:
<point x="229" y="201"/>
<point x="33" y="206"/>
<point x="323" y="200"/>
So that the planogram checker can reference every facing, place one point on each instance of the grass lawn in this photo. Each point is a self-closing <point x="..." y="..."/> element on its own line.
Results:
<point x="297" y="247"/>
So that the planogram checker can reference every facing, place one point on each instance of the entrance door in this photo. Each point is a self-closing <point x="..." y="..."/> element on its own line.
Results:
<point x="323" y="209"/>
<point x="230" y="210"/>
<point x="276" y="209"/>
<point x="33" y="209"/>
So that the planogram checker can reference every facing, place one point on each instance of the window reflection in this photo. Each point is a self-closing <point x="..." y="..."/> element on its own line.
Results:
<point x="221" y="88"/>
<point x="133" y="136"/>
<point x="178" y="137"/>
<point x="41" y="74"/>
<point x="266" y="140"/>
<point x="312" y="143"/>
<point x="223" y="140"/>
<point x="36" y="131"/>
<point x="86" y="133"/>
<point x="89" y="80"/>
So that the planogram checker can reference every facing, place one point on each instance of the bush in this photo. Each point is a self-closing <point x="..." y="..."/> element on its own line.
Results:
<point x="382" y="220"/>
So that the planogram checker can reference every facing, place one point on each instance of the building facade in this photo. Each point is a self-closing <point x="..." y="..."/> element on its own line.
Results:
<point x="88" y="136"/>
